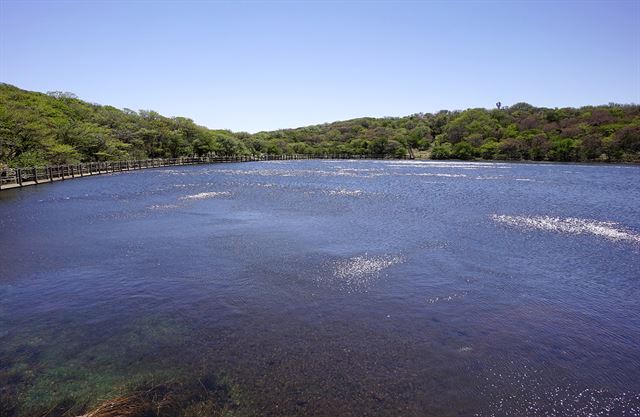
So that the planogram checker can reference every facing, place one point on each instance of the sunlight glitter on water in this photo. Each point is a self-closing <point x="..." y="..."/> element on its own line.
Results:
<point x="529" y="396"/>
<point x="346" y="192"/>
<point x="203" y="196"/>
<point x="446" y="164"/>
<point x="359" y="273"/>
<point x="570" y="225"/>
<point x="163" y="206"/>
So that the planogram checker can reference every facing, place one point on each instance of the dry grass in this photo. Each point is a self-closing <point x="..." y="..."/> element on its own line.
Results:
<point x="172" y="400"/>
<point x="148" y="402"/>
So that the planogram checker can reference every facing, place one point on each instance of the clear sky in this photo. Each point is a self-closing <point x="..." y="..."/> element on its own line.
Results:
<point x="265" y="65"/>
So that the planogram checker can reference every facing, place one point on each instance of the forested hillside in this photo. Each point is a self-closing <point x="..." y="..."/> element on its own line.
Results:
<point x="58" y="128"/>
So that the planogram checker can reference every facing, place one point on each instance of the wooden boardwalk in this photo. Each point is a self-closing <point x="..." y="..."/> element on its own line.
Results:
<point x="22" y="177"/>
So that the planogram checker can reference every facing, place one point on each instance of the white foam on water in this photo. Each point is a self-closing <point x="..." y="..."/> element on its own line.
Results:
<point x="360" y="169"/>
<point x="163" y="206"/>
<point x="430" y="174"/>
<point x="291" y="173"/>
<point x="344" y="192"/>
<point x="173" y="172"/>
<point x="445" y="164"/>
<point x="446" y="298"/>
<point x="570" y="225"/>
<point x="202" y="196"/>
<point x="265" y="185"/>
<point x="480" y="177"/>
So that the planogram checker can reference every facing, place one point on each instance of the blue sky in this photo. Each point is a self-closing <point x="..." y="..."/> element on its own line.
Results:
<point x="251" y="66"/>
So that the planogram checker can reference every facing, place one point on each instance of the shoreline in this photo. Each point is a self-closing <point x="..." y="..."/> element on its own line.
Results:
<point x="43" y="175"/>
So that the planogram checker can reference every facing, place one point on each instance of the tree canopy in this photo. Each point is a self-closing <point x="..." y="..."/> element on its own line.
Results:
<point x="59" y="128"/>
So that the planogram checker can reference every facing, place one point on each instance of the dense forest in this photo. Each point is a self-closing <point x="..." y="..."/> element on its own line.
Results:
<point x="59" y="128"/>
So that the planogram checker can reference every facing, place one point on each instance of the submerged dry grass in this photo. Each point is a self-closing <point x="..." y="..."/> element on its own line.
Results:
<point x="112" y="375"/>
<point x="203" y="397"/>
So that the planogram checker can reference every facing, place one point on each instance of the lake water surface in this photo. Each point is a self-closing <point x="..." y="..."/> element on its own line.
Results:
<point x="328" y="288"/>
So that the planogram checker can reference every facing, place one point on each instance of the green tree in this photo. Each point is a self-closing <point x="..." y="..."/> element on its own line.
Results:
<point x="442" y="151"/>
<point x="61" y="154"/>
<point x="564" y="150"/>
<point x="463" y="150"/>
<point x="32" y="124"/>
<point x="489" y="149"/>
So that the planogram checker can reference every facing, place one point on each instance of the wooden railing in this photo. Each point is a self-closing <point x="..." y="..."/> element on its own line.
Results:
<point x="21" y="177"/>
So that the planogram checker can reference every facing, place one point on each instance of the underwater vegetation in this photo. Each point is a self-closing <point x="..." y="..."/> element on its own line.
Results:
<point x="204" y="396"/>
<point x="110" y="376"/>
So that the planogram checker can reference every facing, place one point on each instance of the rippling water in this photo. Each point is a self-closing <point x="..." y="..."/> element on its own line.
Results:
<point x="329" y="287"/>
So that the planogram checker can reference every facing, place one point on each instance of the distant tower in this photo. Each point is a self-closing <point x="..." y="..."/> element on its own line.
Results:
<point x="498" y="105"/>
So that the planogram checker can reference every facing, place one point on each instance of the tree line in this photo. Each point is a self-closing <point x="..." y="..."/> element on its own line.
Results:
<point x="59" y="128"/>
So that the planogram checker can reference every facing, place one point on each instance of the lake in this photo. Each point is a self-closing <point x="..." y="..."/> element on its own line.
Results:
<point x="327" y="288"/>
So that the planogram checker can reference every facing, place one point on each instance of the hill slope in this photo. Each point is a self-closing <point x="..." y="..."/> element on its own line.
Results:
<point x="58" y="128"/>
